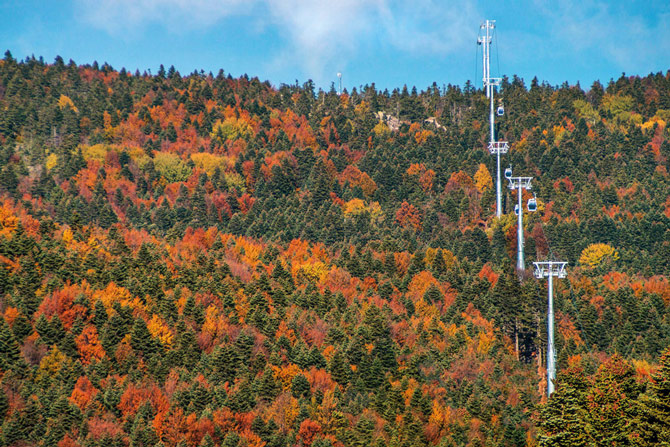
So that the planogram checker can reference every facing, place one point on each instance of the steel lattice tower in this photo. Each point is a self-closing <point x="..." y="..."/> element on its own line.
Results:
<point x="549" y="269"/>
<point x="495" y="147"/>
<point x="520" y="183"/>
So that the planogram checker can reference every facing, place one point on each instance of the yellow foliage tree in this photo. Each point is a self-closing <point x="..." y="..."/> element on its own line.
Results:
<point x="235" y="181"/>
<point x="447" y="256"/>
<point x="285" y="374"/>
<point x="439" y="421"/>
<point x="159" y="330"/>
<point x="51" y="162"/>
<point x="381" y="129"/>
<point x="362" y="109"/>
<point x="51" y="364"/>
<point x="95" y="152"/>
<point x="586" y="111"/>
<point x="313" y="271"/>
<point x="596" y="254"/>
<point x="616" y="104"/>
<point x="231" y="129"/>
<point x="208" y="162"/>
<point x="114" y="294"/>
<point x="66" y="102"/>
<point x="354" y="206"/>
<point x="486" y="339"/>
<point x="212" y="325"/>
<point x="483" y="180"/>
<point x="67" y="235"/>
<point x="171" y="167"/>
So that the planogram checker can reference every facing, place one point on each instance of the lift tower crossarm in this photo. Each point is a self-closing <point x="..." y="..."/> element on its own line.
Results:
<point x="549" y="269"/>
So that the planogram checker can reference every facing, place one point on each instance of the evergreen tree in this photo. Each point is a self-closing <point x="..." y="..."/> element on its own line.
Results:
<point x="9" y="348"/>
<point x="563" y="417"/>
<point x="653" y="408"/>
<point x="141" y="340"/>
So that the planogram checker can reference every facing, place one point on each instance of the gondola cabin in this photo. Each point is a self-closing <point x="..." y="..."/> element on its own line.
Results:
<point x="508" y="173"/>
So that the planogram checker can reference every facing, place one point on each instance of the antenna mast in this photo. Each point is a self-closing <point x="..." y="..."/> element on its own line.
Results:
<point x="339" y="75"/>
<point x="495" y="147"/>
<point x="549" y="269"/>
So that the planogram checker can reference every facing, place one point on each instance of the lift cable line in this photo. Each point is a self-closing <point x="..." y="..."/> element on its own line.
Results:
<point x="543" y="269"/>
<point x="489" y="84"/>
<point x="495" y="39"/>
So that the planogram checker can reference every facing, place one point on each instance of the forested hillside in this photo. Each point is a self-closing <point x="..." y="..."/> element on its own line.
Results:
<point x="206" y="260"/>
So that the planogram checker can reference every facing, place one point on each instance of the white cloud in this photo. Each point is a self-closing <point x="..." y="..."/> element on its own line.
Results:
<point x="431" y="27"/>
<point x="321" y="35"/>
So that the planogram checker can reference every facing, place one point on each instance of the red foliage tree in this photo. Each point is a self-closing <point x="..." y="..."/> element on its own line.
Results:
<point x="89" y="346"/>
<point x="83" y="392"/>
<point x="308" y="431"/>
<point x="408" y="216"/>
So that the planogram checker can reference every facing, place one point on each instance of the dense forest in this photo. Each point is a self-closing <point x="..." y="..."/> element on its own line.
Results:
<point x="205" y="260"/>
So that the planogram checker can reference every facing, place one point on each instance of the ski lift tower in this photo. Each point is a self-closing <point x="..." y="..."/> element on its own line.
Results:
<point x="520" y="183"/>
<point x="495" y="147"/>
<point x="549" y="269"/>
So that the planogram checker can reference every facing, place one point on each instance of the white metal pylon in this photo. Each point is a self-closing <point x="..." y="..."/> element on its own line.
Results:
<point x="520" y="183"/>
<point x="495" y="147"/>
<point x="549" y="269"/>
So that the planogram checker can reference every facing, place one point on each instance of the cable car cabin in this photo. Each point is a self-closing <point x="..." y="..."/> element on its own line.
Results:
<point x="508" y="173"/>
<point x="532" y="205"/>
<point x="516" y="210"/>
<point x="500" y="111"/>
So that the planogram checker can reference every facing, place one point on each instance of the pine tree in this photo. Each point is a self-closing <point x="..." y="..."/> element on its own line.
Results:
<point x="609" y="409"/>
<point x="300" y="386"/>
<point x="339" y="368"/>
<point x="141" y="340"/>
<point x="562" y="418"/>
<point x="9" y="348"/>
<point x="653" y="408"/>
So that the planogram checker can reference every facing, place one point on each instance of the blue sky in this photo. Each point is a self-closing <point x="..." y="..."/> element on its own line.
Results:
<point x="389" y="42"/>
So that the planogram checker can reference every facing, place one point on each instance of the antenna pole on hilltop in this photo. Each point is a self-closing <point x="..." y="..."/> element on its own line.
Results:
<point x="495" y="147"/>
<point x="520" y="183"/>
<point x="549" y="269"/>
<point x="339" y="75"/>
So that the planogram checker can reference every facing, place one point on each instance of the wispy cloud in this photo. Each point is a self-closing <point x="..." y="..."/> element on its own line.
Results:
<point x="317" y="38"/>
<point x="320" y="35"/>
<point x="430" y="27"/>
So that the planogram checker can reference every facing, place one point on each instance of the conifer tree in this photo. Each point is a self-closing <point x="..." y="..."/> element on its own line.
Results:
<point x="562" y="418"/>
<point x="9" y="348"/>
<point x="653" y="408"/>
<point x="140" y="338"/>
